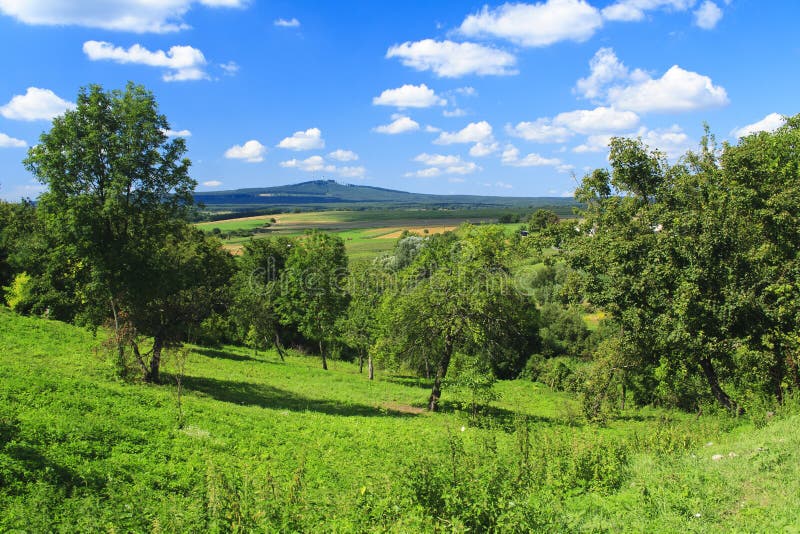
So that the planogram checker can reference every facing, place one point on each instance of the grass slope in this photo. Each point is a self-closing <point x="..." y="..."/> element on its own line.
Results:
<point x="266" y="446"/>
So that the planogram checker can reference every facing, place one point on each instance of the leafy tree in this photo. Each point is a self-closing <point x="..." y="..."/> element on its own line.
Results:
<point x="541" y="219"/>
<point x="256" y="291"/>
<point x="117" y="187"/>
<point x="359" y="326"/>
<point x="457" y="297"/>
<point x="697" y="264"/>
<point x="313" y="298"/>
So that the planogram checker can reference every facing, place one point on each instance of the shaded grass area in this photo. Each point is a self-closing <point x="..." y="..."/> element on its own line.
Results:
<point x="270" y="445"/>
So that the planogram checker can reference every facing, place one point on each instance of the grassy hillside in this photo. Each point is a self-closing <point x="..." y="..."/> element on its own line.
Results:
<point x="258" y="444"/>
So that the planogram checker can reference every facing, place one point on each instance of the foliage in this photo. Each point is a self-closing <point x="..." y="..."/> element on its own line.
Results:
<point x="313" y="297"/>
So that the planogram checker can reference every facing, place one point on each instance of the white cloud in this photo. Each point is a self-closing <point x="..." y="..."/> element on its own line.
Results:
<point x="770" y="123"/>
<point x="11" y="142"/>
<point x="672" y="141"/>
<point x="230" y="68"/>
<point x="437" y="160"/>
<point x="304" y="140"/>
<point x="634" y="10"/>
<point x="35" y="104"/>
<point x="511" y="158"/>
<point x="139" y="16"/>
<point x="287" y="23"/>
<point x="438" y="164"/>
<point x="177" y="133"/>
<point x="540" y="24"/>
<point x="351" y="172"/>
<point x="432" y="129"/>
<point x="604" y="68"/>
<point x="252" y="152"/>
<point x="183" y="63"/>
<point x="707" y="15"/>
<point x="458" y="112"/>
<point x="503" y="185"/>
<point x="409" y="96"/>
<point x="586" y="121"/>
<point x="212" y="183"/>
<point x="474" y="132"/>
<point x="677" y="90"/>
<point x="466" y="91"/>
<point x="310" y="164"/>
<point x="480" y="150"/>
<point x="343" y="155"/>
<point x="318" y="164"/>
<point x="448" y="59"/>
<point x="400" y="124"/>
<point x="539" y="131"/>
<point x="594" y="143"/>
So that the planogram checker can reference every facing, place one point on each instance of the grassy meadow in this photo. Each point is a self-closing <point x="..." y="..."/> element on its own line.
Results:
<point x="241" y="441"/>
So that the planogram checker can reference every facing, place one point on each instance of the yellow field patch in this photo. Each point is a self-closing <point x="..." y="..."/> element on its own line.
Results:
<point x="418" y="230"/>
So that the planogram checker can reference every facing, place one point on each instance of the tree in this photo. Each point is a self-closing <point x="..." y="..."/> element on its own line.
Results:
<point x="457" y="296"/>
<point x="313" y="297"/>
<point x="256" y="291"/>
<point x="117" y="187"/>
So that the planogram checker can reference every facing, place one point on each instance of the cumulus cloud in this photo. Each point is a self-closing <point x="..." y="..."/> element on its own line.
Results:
<point x="310" y="164"/>
<point x="457" y="112"/>
<point x="539" y="131"/>
<point x="676" y="90"/>
<point x="511" y="157"/>
<point x="409" y="96"/>
<point x="183" y="63"/>
<point x="437" y="160"/>
<point x="343" y="155"/>
<point x="770" y="123"/>
<point x="539" y="24"/>
<point x="139" y="16"/>
<point x="448" y="59"/>
<point x="287" y="23"/>
<point x="594" y="143"/>
<point x="474" y="132"/>
<point x="212" y="183"/>
<point x="252" y="152"/>
<point x="707" y="15"/>
<point x="177" y="133"/>
<point x="304" y="140"/>
<point x="35" y="104"/>
<point x="400" y="124"/>
<point x="438" y="164"/>
<point x="318" y="164"/>
<point x="11" y="142"/>
<point x="587" y="121"/>
<point x="634" y="10"/>
<point x="482" y="149"/>
<point x="672" y="141"/>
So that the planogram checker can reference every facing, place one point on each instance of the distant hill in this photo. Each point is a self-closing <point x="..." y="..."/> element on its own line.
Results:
<point x="330" y="194"/>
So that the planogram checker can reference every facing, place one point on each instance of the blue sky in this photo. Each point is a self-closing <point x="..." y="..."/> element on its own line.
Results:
<point x="441" y="97"/>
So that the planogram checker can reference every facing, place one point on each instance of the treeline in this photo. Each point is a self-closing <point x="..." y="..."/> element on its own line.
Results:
<point x="692" y="267"/>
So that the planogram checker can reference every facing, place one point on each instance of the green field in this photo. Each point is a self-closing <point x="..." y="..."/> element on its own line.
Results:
<point x="366" y="233"/>
<point x="253" y="443"/>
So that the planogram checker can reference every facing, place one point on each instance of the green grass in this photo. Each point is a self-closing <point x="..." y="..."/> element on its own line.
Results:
<point x="268" y="445"/>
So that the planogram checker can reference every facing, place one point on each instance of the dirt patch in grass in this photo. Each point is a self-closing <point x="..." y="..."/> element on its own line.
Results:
<point x="403" y="408"/>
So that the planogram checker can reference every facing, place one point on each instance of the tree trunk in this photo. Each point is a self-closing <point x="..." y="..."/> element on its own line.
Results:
<point x="279" y="346"/>
<point x="716" y="389"/>
<point x="793" y="371"/>
<point x="324" y="360"/>
<point x="370" y="368"/>
<point x="360" y="361"/>
<point x="155" y="361"/>
<point x="441" y="372"/>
